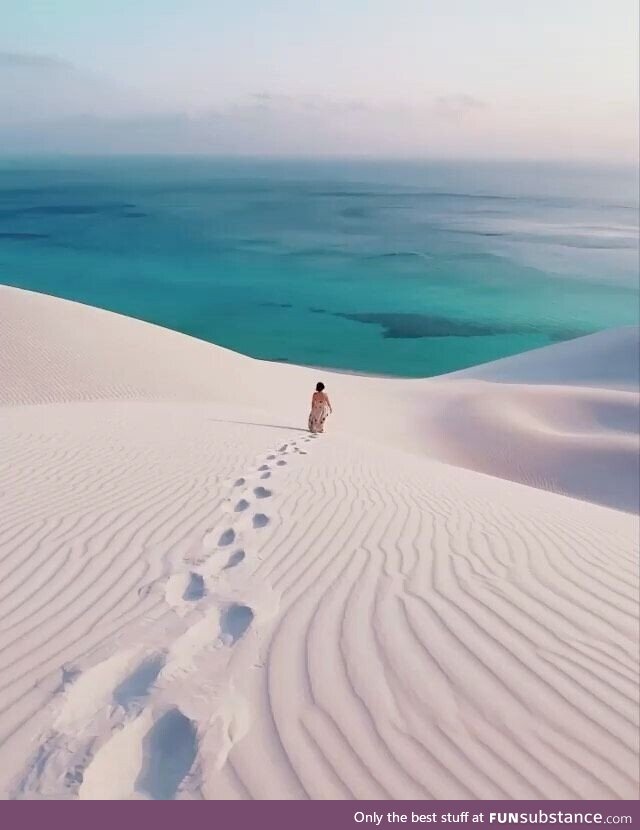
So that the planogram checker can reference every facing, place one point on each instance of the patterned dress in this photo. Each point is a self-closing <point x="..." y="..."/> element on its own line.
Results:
<point x="319" y="412"/>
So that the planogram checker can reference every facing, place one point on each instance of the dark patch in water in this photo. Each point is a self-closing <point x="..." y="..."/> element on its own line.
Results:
<point x="411" y="325"/>
<point x="400" y="257"/>
<point x="399" y="325"/>
<point x="560" y="335"/>
<point x="318" y="310"/>
<point x="258" y="243"/>
<point x="276" y="305"/>
<point x="325" y="254"/>
<point x="418" y="194"/>
<point x="355" y="213"/>
<point x="69" y="210"/>
<point x="134" y="215"/>
<point x="565" y="242"/>
<point x="24" y="236"/>
<point x="618" y="245"/>
<point x="479" y="233"/>
<point x="476" y="256"/>
<point x="397" y="255"/>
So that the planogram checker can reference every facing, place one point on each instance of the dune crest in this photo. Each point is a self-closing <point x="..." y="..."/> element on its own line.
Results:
<point x="200" y="600"/>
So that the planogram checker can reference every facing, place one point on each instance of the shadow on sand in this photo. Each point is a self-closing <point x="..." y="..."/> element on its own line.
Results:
<point x="254" y="424"/>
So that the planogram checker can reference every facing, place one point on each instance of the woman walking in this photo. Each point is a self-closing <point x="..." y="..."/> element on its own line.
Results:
<point x="320" y="409"/>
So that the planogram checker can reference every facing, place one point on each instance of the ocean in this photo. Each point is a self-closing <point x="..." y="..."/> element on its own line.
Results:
<point x="397" y="268"/>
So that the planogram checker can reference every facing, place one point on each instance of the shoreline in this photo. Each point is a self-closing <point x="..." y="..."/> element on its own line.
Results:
<point x="315" y="367"/>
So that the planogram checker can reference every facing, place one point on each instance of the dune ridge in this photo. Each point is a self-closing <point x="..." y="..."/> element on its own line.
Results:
<point x="200" y="600"/>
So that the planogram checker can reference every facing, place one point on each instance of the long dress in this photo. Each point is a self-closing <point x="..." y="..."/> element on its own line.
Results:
<point x="319" y="413"/>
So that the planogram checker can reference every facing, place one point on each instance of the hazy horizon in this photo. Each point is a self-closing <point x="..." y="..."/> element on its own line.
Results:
<point x="416" y="80"/>
<point x="587" y="163"/>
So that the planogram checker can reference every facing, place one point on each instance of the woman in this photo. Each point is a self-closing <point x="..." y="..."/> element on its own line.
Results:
<point x="320" y="409"/>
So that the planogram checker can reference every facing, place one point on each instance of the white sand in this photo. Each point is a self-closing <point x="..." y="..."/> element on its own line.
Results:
<point x="197" y="600"/>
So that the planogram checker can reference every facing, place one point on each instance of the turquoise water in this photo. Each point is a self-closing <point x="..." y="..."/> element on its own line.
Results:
<point x="399" y="268"/>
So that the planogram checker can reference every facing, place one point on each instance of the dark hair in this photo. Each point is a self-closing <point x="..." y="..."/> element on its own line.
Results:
<point x="319" y="387"/>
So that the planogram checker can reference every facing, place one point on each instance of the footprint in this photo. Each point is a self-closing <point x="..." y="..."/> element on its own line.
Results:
<point x="137" y="685"/>
<point x="195" y="588"/>
<point x="235" y="559"/>
<point x="265" y="475"/>
<point x="73" y="777"/>
<point x="181" y="587"/>
<point x="234" y="622"/>
<point x="281" y="463"/>
<point x="270" y="457"/>
<point x="227" y="537"/>
<point x="283" y="448"/>
<point x="264" y="467"/>
<point x="260" y="520"/>
<point x="169" y="749"/>
<point x="145" y="590"/>
<point x="241" y="505"/>
<point x="261" y="492"/>
<point x="69" y="673"/>
<point x="239" y="482"/>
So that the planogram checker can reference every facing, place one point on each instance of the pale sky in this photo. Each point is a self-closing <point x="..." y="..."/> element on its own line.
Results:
<point x="468" y="78"/>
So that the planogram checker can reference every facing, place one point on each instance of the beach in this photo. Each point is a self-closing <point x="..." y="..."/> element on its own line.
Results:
<point x="436" y="599"/>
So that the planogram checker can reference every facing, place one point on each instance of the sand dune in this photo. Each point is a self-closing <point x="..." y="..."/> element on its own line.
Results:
<point x="608" y="359"/>
<point x="199" y="600"/>
<point x="578" y="441"/>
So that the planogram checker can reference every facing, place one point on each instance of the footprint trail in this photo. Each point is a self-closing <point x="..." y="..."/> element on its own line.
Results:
<point x="151" y="738"/>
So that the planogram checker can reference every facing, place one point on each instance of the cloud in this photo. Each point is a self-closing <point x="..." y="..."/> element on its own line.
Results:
<point x="279" y="101"/>
<point x="455" y="106"/>
<point x="41" y="88"/>
<point x="446" y="106"/>
<point x="25" y="59"/>
<point x="49" y="106"/>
